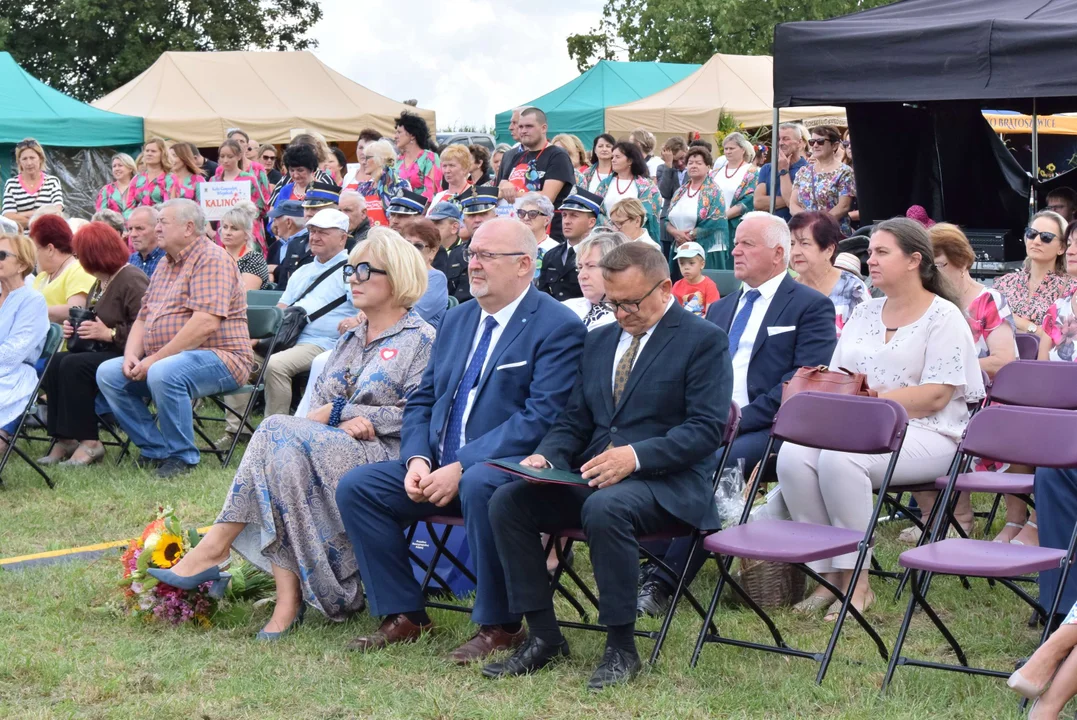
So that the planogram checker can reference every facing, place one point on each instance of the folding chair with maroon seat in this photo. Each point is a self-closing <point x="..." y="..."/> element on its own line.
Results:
<point x="842" y="423"/>
<point x="1028" y="436"/>
<point x="575" y="535"/>
<point x="1024" y="383"/>
<point x="1028" y="346"/>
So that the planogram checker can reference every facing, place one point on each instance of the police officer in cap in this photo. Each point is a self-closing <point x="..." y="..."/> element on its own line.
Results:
<point x="579" y="215"/>
<point x="479" y="205"/>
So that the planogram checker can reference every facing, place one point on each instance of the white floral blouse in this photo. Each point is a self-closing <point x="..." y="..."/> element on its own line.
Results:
<point x="936" y="349"/>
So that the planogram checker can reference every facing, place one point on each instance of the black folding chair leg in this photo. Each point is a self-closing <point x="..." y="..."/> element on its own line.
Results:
<point x="895" y="655"/>
<point x="709" y="616"/>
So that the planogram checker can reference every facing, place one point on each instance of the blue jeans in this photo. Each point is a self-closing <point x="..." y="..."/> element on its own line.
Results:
<point x="172" y="383"/>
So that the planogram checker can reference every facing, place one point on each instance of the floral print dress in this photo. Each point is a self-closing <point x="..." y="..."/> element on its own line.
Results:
<point x="818" y="190"/>
<point x="285" y="487"/>
<point x="423" y="175"/>
<point x="1060" y="324"/>
<point x="1034" y="305"/>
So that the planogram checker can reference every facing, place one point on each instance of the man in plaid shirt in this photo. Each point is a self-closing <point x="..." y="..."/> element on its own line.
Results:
<point x="190" y="340"/>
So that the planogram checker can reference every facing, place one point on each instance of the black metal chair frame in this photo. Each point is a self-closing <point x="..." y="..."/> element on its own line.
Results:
<point x="681" y="590"/>
<point x="31" y="403"/>
<point x="780" y="646"/>
<point x="225" y="456"/>
<point x="921" y="583"/>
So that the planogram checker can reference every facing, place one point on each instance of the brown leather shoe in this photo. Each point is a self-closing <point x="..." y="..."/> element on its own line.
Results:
<point x="395" y="629"/>
<point x="488" y="640"/>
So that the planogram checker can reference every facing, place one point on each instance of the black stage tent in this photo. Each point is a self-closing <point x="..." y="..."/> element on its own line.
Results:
<point x="913" y="77"/>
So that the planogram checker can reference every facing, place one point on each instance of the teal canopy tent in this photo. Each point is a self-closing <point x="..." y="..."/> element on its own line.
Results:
<point x="67" y="128"/>
<point x="579" y="107"/>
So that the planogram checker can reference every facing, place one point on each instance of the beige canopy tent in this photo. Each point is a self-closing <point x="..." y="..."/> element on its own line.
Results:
<point x="197" y="96"/>
<point x="739" y="85"/>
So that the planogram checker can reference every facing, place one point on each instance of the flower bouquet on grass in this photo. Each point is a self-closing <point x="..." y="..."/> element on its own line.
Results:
<point x="161" y="545"/>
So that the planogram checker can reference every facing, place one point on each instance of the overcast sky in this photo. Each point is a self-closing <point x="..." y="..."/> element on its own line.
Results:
<point x="467" y="60"/>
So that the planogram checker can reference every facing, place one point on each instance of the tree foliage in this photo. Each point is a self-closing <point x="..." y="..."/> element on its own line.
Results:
<point x="691" y="31"/>
<point x="87" y="48"/>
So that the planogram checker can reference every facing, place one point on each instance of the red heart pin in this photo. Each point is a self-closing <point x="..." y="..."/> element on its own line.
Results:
<point x="388" y="353"/>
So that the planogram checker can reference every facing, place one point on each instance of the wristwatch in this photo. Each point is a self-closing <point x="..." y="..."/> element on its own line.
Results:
<point x="1031" y="328"/>
<point x="113" y="334"/>
<point x="783" y="173"/>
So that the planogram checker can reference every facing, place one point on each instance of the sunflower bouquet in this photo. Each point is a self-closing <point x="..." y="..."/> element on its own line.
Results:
<point x="161" y="545"/>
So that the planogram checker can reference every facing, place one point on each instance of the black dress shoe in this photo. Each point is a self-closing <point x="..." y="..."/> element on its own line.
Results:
<point x="616" y="668"/>
<point x="653" y="598"/>
<point x="147" y="463"/>
<point x="533" y="655"/>
<point x="173" y="467"/>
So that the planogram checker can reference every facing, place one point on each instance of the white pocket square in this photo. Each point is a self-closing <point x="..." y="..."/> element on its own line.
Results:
<point x="779" y="329"/>
<point x="511" y="365"/>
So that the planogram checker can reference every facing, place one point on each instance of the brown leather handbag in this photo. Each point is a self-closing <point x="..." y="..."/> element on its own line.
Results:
<point x="823" y="379"/>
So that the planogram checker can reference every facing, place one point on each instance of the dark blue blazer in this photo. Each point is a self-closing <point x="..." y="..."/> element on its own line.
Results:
<point x="672" y="412"/>
<point x="776" y="357"/>
<point x="528" y="376"/>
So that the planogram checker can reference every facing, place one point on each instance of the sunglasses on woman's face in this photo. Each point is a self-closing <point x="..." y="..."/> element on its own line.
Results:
<point x="529" y="215"/>
<point x="1045" y="237"/>
<point x="818" y="141"/>
<point x="269" y="158"/>
<point x="4" y="255"/>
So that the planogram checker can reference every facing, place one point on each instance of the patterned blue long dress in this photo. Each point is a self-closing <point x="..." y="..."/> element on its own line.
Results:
<point x="285" y="488"/>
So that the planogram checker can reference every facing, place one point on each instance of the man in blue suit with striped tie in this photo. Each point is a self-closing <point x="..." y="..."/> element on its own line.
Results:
<point x="501" y="371"/>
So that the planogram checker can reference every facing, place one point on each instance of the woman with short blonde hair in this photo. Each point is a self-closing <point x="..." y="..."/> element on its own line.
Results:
<point x="237" y="237"/>
<point x="32" y="187"/>
<point x="281" y="509"/>
<point x="116" y="195"/>
<point x="379" y="160"/>
<point x="456" y="165"/>
<point x="629" y="217"/>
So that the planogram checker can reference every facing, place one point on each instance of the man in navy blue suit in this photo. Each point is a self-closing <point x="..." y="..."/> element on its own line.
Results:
<point x="776" y="326"/>
<point x="643" y="425"/>
<point x="501" y="370"/>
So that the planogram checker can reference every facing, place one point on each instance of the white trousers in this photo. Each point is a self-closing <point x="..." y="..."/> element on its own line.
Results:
<point x="834" y="488"/>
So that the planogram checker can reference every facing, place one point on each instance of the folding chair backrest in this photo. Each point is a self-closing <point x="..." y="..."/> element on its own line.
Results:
<point x="263" y="298"/>
<point x="1033" y="383"/>
<point x="725" y="280"/>
<point x="453" y="302"/>
<point x="263" y="322"/>
<point x="1026" y="436"/>
<point x="1028" y="346"/>
<point x="844" y="423"/>
<point x="53" y="339"/>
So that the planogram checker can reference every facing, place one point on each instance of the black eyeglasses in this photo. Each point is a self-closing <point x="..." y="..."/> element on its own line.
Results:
<point x="529" y="214"/>
<point x="1045" y="237"/>
<point x="485" y="256"/>
<point x="362" y="272"/>
<point x="421" y="247"/>
<point x="631" y="307"/>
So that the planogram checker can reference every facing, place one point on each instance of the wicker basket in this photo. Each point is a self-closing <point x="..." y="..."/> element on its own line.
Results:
<point x="769" y="584"/>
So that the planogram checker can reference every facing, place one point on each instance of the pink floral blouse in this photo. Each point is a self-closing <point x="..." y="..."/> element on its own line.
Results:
<point x="1034" y="306"/>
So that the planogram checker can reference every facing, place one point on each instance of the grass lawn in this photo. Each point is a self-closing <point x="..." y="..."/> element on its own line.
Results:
<point x="66" y="652"/>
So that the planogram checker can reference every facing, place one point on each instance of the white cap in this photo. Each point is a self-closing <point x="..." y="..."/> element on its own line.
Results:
<point x="329" y="219"/>
<point x="849" y="262"/>
<point x="690" y="250"/>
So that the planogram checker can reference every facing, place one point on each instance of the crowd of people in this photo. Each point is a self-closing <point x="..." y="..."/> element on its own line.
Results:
<point x="589" y="337"/>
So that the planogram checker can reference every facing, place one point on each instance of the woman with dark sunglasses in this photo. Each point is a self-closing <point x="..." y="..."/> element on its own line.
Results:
<point x="1032" y="290"/>
<point x="281" y="511"/>
<point x="826" y="183"/>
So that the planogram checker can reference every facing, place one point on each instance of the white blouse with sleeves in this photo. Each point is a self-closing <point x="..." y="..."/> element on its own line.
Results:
<point x="937" y="349"/>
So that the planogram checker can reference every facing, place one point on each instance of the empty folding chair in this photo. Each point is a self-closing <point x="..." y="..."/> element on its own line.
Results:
<point x="52" y="343"/>
<point x="262" y="324"/>
<point x="871" y="426"/>
<point x="1029" y="436"/>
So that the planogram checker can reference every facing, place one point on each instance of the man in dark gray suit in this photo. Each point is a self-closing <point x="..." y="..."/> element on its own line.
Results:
<point x="643" y="425"/>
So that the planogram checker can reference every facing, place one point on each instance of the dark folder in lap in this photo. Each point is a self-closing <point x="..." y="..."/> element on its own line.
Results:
<point x="543" y="475"/>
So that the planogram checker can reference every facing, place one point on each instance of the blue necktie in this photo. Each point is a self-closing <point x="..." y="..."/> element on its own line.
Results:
<point x="459" y="404"/>
<point x="741" y="321"/>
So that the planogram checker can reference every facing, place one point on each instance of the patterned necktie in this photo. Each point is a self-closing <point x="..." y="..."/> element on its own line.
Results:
<point x="624" y="369"/>
<point x="455" y="427"/>
<point x="741" y="321"/>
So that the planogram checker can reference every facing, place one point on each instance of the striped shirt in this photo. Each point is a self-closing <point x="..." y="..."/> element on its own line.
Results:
<point x="18" y="198"/>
